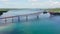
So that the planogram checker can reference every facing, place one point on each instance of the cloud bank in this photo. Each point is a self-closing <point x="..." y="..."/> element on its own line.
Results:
<point x="29" y="4"/>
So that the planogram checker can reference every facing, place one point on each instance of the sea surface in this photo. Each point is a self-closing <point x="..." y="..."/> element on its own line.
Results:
<point x="44" y="25"/>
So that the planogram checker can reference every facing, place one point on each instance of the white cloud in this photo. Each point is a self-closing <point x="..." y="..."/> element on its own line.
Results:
<point x="54" y="4"/>
<point x="32" y="4"/>
<point x="32" y="0"/>
<point x="4" y="0"/>
<point x="47" y="4"/>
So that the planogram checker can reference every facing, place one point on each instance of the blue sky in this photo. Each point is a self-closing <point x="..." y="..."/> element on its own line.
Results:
<point x="29" y="3"/>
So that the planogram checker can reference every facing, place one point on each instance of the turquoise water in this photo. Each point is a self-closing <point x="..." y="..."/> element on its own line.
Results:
<point x="45" y="25"/>
<point x="40" y="26"/>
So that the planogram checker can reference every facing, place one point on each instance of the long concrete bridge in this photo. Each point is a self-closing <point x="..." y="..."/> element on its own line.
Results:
<point x="6" y="19"/>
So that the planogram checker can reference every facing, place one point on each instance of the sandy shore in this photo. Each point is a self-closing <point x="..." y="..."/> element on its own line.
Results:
<point x="4" y="26"/>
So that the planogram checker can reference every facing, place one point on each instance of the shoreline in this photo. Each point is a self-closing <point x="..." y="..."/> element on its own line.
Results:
<point x="5" y="26"/>
<point x="54" y="13"/>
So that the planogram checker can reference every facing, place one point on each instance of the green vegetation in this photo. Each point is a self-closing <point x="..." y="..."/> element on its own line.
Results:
<point x="54" y="10"/>
<point x="2" y="11"/>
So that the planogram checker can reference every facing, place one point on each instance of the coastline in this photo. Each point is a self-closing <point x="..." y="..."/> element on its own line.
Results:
<point x="5" y="26"/>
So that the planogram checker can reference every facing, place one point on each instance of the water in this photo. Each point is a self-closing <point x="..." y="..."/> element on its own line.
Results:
<point x="44" y="25"/>
<point x="41" y="26"/>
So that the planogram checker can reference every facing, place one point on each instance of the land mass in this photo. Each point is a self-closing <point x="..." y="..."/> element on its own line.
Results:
<point x="56" y="10"/>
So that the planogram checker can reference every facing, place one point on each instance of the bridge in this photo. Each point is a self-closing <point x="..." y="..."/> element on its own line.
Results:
<point x="10" y="19"/>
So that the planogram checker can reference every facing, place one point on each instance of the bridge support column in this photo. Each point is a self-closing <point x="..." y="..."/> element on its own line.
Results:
<point x="18" y="18"/>
<point x="12" y="19"/>
<point x="26" y="18"/>
<point x="37" y="16"/>
<point x="5" y="20"/>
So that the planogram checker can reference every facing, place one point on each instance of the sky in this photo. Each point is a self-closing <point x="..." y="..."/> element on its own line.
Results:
<point x="29" y="3"/>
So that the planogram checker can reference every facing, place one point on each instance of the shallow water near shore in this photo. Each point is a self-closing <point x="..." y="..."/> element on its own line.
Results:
<point x="41" y="26"/>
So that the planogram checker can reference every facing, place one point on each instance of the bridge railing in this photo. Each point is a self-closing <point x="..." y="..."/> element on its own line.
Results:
<point x="19" y="18"/>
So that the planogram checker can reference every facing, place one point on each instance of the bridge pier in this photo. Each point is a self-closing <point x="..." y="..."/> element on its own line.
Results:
<point x="37" y="16"/>
<point x="12" y="19"/>
<point x="18" y="18"/>
<point x="5" y="20"/>
<point x="26" y="18"/>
